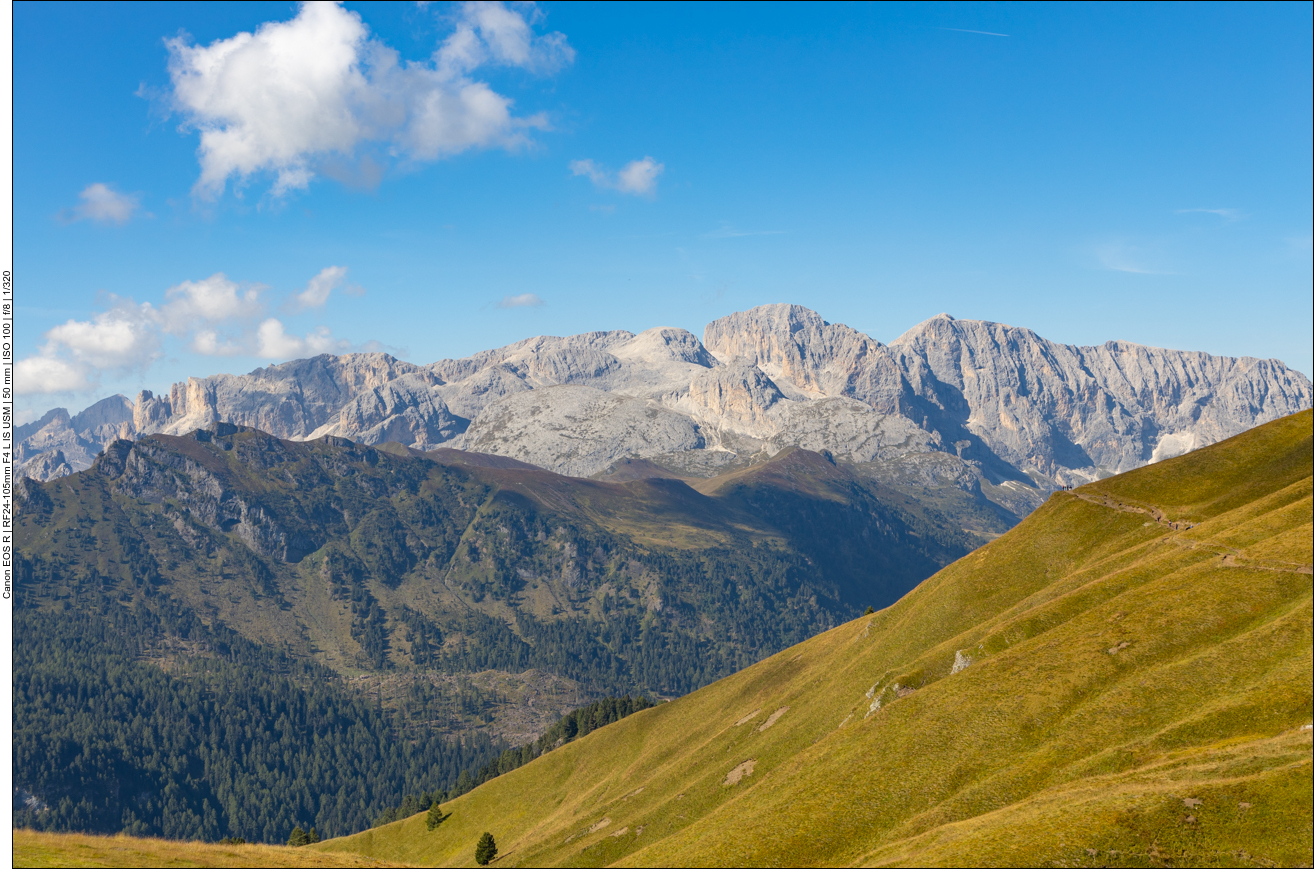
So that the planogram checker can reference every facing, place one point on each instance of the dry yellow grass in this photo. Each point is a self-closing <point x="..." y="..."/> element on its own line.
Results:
<point x="75" y="849"/>
<point x="1092" y="688"/>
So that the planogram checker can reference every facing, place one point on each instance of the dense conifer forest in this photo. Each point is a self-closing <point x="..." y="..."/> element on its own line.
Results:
<point x="234" y="742"/>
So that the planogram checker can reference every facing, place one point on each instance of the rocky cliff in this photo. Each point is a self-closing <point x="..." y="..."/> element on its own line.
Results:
<point x="1007" y="412"/>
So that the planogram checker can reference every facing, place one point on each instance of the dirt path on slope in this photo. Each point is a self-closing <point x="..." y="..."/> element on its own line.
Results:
<point x="1231" y="557"/>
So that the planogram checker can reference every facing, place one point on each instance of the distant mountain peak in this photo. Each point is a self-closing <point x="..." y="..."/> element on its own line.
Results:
<point x="984" y="401"/>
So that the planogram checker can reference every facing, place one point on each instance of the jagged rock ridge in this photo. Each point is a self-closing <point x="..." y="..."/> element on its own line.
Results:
<point x="966" y="403"/>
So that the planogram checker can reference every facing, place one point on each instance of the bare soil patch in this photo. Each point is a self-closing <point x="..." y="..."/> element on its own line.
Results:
<point x="742" y="771"/>
<point x="749" y="717"/>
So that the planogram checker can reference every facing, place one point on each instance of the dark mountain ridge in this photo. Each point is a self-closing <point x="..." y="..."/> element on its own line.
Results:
<point x="392" y="577"/>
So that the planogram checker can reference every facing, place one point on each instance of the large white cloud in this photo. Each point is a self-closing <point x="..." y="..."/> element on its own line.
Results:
<point x="42" y="374"/>
<point x="319" y="87"/>
<point x="123" y="338"/>
<point x="215" y="299"/>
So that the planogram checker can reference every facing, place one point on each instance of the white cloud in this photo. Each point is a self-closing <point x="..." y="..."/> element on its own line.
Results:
<point x="207" y="342"/>
<point x="215" y="316"/>
<point x="212" y="300"/>
<point x="123" y="338"/>
<point x="492" y="33"/>
<point x="316" y="293"/>
<point x="273" y="342"/>
<point x="303" y="93"/>
<point x="593" y="171"/>
<point x="103" y="204"/>
<point x="525" y="300"/>
<point x="40" y="374"/>
<point x="638" y="177"/>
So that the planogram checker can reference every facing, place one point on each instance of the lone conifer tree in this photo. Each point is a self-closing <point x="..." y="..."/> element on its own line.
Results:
<point x="298" y="838"/>
<point x="436" y="816"/>
<point x="486" y="850"/>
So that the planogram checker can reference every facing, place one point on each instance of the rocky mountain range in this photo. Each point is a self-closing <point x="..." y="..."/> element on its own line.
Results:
<point x="979" y="406"/>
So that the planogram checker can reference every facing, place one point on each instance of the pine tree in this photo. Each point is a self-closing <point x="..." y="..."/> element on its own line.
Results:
<point x="298" y="838"/>
<point x="436" y="816"/>
<point x="312" y="837"/>
<point x="486" y="850"/>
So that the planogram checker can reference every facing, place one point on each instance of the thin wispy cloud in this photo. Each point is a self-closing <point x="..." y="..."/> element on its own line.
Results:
<point x="981" y="32"/>
<point x="1228" y="214"/>
<point x="725" y="230"/>
<point x="524" y="300"/>
<point x="637" y="178"/>
<point x="316" y="293"/>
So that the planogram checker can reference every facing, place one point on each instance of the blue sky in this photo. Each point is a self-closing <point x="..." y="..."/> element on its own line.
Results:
<point x="214" y="187"/>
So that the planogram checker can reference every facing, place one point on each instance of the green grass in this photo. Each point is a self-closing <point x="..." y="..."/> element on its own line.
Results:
<point x="1136" y="696"/>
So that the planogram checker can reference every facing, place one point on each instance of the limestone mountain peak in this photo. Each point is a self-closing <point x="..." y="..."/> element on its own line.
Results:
<point x="988" y="406"/>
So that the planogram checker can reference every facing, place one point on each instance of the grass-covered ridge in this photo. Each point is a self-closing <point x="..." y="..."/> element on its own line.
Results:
<point x="1092" y="688"/>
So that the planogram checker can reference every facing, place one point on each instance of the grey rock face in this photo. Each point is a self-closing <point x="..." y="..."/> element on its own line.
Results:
<point x="808" y="357"/>
<point x="106" y="417"/>
<point x="579" y="430"/>
<point x="57" y="444"/>
<point x="851" y="430"/>
<point x="46" y="466"/>
<point x="467" y="398"/>
<point x="289" y="400"/>
<point x="1072" y="413"/>
<point x="978" y="406"/>
<point x="740" y="395"/>
<point x="407" y="410"/>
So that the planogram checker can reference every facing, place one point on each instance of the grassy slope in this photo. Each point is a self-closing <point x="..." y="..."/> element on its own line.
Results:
<point x="1121" y="671"/>
<point x="74" y="849"/>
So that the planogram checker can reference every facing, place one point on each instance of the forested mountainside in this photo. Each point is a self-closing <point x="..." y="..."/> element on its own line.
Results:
<point x="1124" y="679"/>
<point x="145" y="720"/>
<point x="332" y="565"/>
<point x="951" y="404"/>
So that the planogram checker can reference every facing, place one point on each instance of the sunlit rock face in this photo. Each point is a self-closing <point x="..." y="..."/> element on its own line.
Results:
<point x="999" y="405"/>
